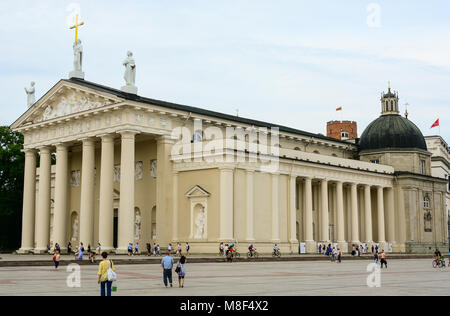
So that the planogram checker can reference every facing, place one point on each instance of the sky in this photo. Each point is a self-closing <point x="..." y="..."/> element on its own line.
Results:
<point x="289" y="62"/>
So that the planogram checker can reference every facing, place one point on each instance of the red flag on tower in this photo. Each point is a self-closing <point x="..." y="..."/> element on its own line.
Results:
<point x="435" y="124"/>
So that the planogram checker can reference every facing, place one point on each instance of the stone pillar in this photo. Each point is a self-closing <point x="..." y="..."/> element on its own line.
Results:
<point x="401" y="220"/>
<point x="250" y="206"/>
<point x="275" y="210"/>
<point x="164" y="210"/>
<point x="309" y="239"/>
<point x="292" y="213"/>
<point x="87" y="193"/>
<point x="368" y="215"/>
<point x="175" y="208"/>
<point x="390" y="217"/>
<point x="106" y="208"/>
<point x="126" y="206"/>
<point x="381" y="229"/>
<point x="354" y="208"/>
<point x="29" y="202"/>
<point x="61" y="191"/>
<point x="340" y="217"/>
<point x="226" y="204"/>
<point x="43" y="209"/>
<point x="325" y="238"/>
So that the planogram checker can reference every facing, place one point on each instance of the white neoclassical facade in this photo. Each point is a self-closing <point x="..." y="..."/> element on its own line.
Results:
<point x="131" y="169"/>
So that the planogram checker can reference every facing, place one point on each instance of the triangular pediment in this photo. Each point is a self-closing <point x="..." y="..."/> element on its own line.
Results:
<point x="197" y="191"/>
<point x="63" y="100"/>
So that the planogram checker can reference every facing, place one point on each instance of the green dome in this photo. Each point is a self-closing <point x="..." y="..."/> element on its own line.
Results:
<point x="392" y="132"/>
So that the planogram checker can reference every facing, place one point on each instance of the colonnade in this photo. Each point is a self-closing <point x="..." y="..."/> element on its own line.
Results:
<point x="36" y="218"/>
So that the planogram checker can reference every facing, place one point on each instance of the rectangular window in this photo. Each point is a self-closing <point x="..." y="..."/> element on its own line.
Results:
<point x="422" y="166"/>
<point x="377" y="161"/>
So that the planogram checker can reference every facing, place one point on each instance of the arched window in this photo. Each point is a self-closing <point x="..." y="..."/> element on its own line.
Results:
<point x="426" y="202"/>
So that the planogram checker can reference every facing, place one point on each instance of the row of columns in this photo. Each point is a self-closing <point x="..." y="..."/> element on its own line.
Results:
<point x="36" y="220"/>
<point x="354" y="213"/>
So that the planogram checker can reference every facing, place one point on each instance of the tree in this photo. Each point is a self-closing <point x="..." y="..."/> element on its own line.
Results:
<point x="12" y="161"/>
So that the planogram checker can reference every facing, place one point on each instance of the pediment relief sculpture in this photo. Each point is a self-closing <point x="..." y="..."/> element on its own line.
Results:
<point x="67" y="105"/>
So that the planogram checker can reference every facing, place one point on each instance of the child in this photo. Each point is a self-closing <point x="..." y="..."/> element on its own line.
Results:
<point x="56" y="259"/>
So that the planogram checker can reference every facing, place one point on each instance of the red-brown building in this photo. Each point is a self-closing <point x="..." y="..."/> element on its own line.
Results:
<point x="342" y="130"/>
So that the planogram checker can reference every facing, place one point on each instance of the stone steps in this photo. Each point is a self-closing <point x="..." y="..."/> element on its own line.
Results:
<point x="157" y="260"/>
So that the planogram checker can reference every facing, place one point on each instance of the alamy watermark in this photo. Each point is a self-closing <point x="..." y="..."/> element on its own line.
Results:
<point x="259" y="147"/>
<point x="374" y="15"/>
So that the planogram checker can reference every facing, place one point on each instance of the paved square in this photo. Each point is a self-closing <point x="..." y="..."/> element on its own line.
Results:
<point x="403" y="277"/>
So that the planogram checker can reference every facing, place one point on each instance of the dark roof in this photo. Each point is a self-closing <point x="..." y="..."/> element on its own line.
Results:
<point x="197" y="110"/>
<point x="392" y="132"/>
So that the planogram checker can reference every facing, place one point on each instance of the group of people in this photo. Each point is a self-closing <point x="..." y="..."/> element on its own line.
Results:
<point x="106" y="272"/>
<point x="334" y="253"/>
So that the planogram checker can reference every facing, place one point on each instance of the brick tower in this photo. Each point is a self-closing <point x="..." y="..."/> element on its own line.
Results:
<point x="342" y="130"/>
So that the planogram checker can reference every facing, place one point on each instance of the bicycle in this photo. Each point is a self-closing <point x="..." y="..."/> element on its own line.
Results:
<point x="440" y="264"/>
<point x="255" y="254"/>
<point x="276" y="253"/>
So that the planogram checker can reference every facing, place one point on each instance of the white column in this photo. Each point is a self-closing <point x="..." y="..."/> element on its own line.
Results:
<point x="29" y="201"/>
<point x="175" y="208"/>
<point x="292" y="211"/>
<point x="324" y="211"/>
<point x="368" y="214"/>
<point x="380" y="206"/>
<point x="226" y="204"/>
<point x="126" y="206"/>
<point x="340" y="217"/>
<point x="87" y="193"/>
<point x="354" y="208"/>
<point x="390" y="216"/>
<point x="275" y="210"/>
<point x="250" y="206"/>
<point x="106" y="208"/>
<point x="61" y="190"/>
<point x="43" y="209"/>
<point x="309" y="239"/>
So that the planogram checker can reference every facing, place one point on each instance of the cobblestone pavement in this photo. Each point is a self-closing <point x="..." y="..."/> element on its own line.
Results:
<point x="403" y="277"/>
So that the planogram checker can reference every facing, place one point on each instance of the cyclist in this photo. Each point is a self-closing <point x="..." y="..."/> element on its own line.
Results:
<point x="437" y="256"/>
<point x="251" y="249"/>
<point x="275" y="249"/>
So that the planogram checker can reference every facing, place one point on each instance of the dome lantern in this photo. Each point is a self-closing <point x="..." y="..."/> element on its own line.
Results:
<point x="389" y="102"/>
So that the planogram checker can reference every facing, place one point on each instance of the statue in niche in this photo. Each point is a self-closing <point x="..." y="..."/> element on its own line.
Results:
<point x="137" y="226"/>
<point x="153" y="170"/>
<point x="138" y="172"/>
<point x="75" y="229"/>
<point x="427" y="222"/>
<point x="200" y="223"/>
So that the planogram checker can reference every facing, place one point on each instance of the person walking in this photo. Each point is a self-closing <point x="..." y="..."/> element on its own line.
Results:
<point x="80" y="252"/>
<point x="99" y="249"/>
<point x="339" y="255"/>
<point x="136" y="249"/>
<point x="149" y="249"/>
<point x="181" y="270"/>
<point x="375" y="258"/>
<point x="69" y="248"/>
<point x="130" y="250"/>
<point x="167" y="265"/>
<point x="188" y="248"/>
<point x="221" y="249"/>
<point x="103" y="280"/>
<point x="169" y="248"/>
<point x="56" y="259"/>
<point x="383" y="259"/>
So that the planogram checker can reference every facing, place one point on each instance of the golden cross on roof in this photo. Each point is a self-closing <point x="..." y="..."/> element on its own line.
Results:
<point x="76" y="28"/>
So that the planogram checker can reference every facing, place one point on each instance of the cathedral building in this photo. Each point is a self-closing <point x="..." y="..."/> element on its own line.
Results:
<point x="132" y="169"/>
